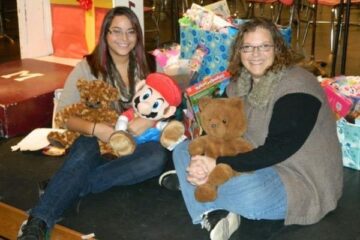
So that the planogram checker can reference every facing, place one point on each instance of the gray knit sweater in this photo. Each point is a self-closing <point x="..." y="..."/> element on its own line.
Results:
<point x="313" y="175"/>
<point x="70" y="93"/>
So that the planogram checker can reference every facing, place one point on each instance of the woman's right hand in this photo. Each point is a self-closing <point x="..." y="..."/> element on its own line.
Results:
<point x="196" y="173"/>
<point x="100" y="130"/>
<point x="199" y="169"/>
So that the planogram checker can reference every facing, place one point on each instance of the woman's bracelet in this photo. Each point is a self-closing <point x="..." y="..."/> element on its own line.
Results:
<point x="93" y="130"/>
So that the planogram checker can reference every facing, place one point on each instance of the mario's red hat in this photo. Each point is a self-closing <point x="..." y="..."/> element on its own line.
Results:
<point x="166" y="86"/>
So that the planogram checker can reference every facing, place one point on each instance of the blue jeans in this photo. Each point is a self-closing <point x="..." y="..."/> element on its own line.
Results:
<point x="255" y="195"/>
<point x="85" y="171"/>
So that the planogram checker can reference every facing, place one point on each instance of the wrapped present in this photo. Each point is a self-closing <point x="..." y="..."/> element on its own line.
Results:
<point x="349" y="137"/>
<point x="343" y="92"/>
<point x="76" y="40"/>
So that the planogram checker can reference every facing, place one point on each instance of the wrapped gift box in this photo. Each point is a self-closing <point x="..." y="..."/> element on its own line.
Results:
<point x="342" y="92"/>
<point x="76" y="40"/>
<point x="26" y="94"/>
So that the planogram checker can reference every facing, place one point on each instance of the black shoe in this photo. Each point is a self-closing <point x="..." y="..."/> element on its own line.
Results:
<point x="33" y="229"/>
<point x="221" y="224"/>
<point x="169" y="180"/>
<point x="42" y="186"/>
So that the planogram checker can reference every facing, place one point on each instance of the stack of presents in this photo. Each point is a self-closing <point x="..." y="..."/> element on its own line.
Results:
<point x="199" y="64"/>
<point x="343" y="93"/>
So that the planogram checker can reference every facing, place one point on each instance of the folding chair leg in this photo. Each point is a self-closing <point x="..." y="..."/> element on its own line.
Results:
<point x="277" y="18"/>
<point x="310" y="20"/>
<point x="250" y="11"/>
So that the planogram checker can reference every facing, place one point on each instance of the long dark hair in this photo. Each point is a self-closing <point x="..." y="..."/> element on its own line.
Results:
<point x="284" y="55"/>
<point x="102" y="64"/>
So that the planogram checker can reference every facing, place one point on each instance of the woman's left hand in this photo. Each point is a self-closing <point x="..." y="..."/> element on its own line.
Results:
<point x="199" y="169"/>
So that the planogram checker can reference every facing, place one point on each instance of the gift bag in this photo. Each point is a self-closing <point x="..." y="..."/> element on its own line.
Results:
<point x="217" y="43"/>
<point x="349" y="137"/>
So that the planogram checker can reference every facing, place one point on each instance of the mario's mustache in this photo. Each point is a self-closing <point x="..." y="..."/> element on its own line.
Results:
<point x="149" y="116"/>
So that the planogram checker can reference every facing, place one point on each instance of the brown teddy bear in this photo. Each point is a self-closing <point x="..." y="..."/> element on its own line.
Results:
<point x="224" y="122"/>
<point x="95" y="105"/>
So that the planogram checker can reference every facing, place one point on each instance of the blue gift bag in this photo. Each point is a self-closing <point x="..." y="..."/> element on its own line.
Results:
<point x="349" y="137"/>
<point x="218" y="45"/>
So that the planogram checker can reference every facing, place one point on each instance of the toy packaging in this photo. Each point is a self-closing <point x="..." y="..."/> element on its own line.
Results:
<point x="212" y="86"/>
<point x="196" y="62"/>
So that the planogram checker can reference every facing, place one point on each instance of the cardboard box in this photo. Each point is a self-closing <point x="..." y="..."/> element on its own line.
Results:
<point x="26" y="94"/>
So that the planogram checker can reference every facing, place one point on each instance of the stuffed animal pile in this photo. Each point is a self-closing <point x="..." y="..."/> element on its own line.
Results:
<point x="224" y="121"/>
<point x="96" y="98"/>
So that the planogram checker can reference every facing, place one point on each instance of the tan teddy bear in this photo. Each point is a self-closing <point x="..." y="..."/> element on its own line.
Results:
<point x="96" y="98"/>
<point x="224" y="122"/>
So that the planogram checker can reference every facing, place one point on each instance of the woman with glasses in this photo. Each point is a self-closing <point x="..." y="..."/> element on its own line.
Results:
<point x="294" y="172"/>
<point x="119" y="59"/>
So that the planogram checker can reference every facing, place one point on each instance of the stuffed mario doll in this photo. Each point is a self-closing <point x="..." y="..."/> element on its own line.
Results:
<point x="156" y="98"/>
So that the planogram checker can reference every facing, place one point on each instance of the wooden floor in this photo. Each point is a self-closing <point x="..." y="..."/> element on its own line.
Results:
<point x="146" y="211"/>
<point x="12" y="217"/>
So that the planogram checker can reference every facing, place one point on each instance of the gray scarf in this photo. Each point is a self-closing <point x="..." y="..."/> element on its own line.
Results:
<point x="257" y="94"/>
